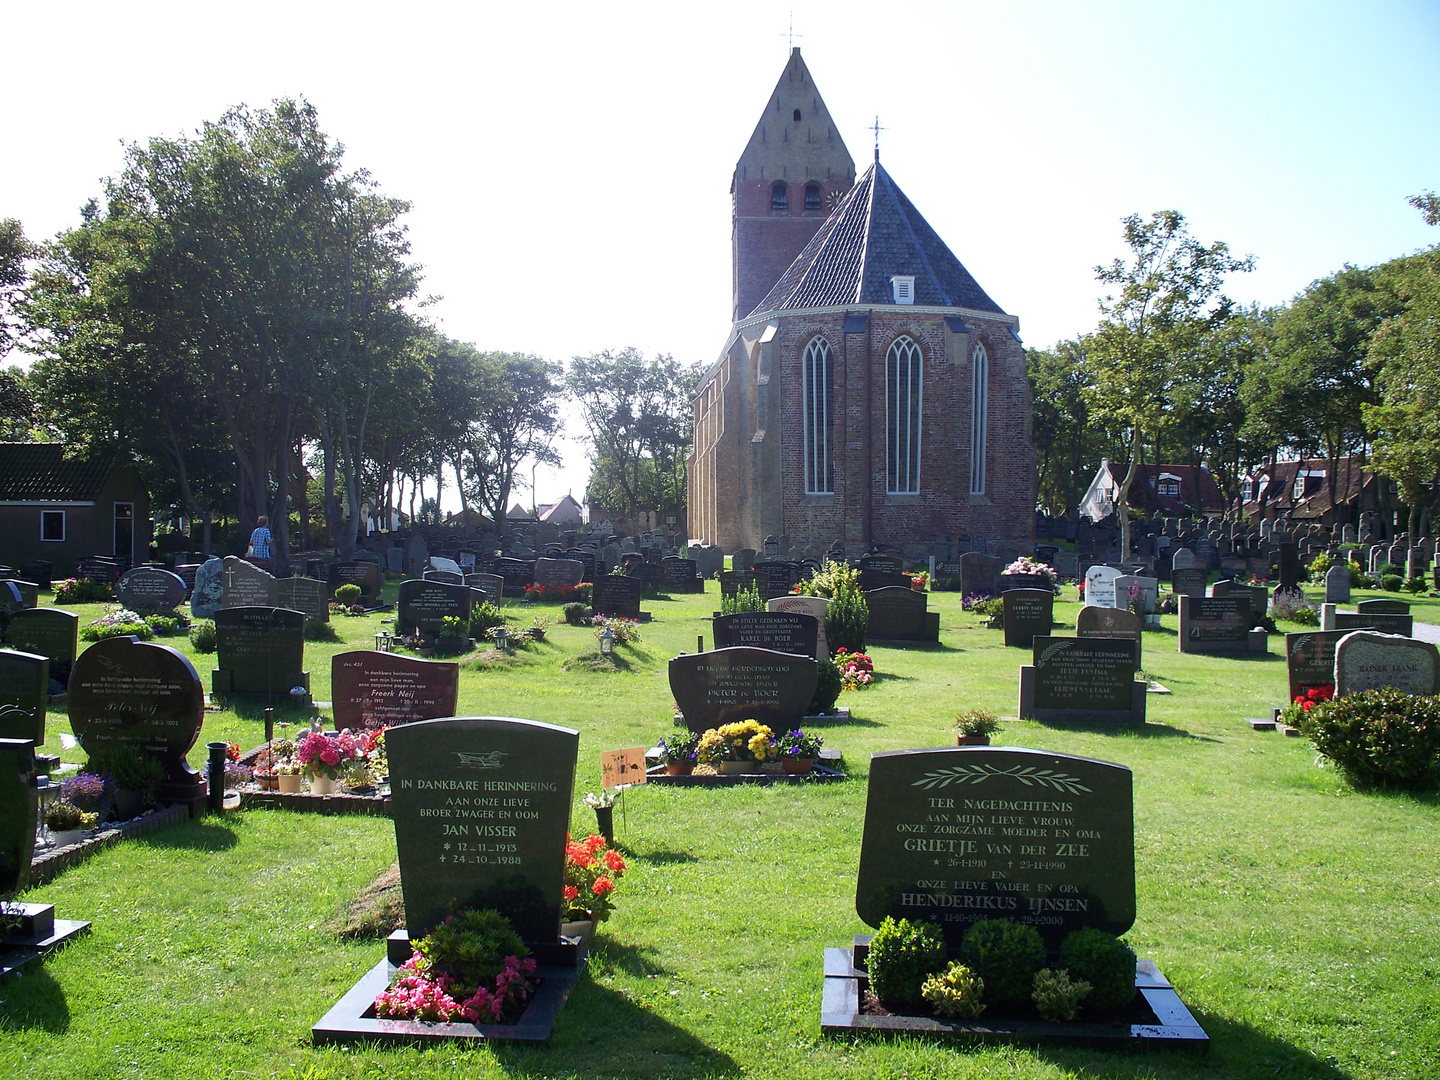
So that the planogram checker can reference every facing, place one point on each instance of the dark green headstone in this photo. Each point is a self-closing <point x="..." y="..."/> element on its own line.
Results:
<point x="24" y="690"/>
<point x="954" y="836"/>
<point x="19" y="813"/>
<point x="900" y="614"/>
<point x="1215" y="624"/>
<point x="48" y="632"/>
<point x="1027" y="612"/>
<point x="482" y="809"/>
<point x="1076" y="676"/>
<point x="424" y="604"/>
<point x="259" y="650"/>
<point x="719" y="687"/>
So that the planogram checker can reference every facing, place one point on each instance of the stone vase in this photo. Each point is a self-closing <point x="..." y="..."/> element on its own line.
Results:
<point x="584" y="929"/>
<point x="66" y="837"/>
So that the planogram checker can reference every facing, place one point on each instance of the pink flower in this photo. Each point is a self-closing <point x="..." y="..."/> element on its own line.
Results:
<point x="330" y="755"/>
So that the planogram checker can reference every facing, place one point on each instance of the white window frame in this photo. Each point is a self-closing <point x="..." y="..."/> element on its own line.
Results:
<point x="904" y="408"/>
<point x="47" y="539"/>
<point x="979" y="416"/>
<point x="815" y="414"/>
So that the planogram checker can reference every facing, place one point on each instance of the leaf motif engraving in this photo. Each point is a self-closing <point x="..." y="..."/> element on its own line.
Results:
<point x="1028" y="775"/>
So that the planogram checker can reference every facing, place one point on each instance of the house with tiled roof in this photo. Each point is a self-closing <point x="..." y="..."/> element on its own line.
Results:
<point x="1299" y="490"/>
<point x="1169" y="490"/>
<point x="59" y="508"/>
<point x="869" y="391"/>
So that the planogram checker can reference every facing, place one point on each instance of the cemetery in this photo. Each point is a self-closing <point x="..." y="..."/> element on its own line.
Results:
<point x="894" y="695"/>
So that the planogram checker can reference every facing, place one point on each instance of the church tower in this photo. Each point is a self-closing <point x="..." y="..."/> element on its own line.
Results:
<point x="792" y="173"/>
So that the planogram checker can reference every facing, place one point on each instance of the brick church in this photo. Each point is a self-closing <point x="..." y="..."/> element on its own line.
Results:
<point x="870" y="391"/>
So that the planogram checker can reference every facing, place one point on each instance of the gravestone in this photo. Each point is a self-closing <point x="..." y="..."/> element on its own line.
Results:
<point x="1337" y="584"/>
<point x="1215" y="624"/>
<point x="956" y="835"/>
<point x="617" y="596"/>
<point x="517" y="573"/>
<point x="1005" y="582"/>
<point x="246" y="585"/>
<point x="260" y="652"/>
<point x="208" y="594"/>
<point x="779" y="631"/>
<point x="1310" y="659"/>
<point x="1185" y="559"/>
<point x="815" y="607"/>
<point x="1189" y="582"/>
<point x="709" y="559"/>
<point x="186" y="573"/>
<point x="48" y="632"/>
<point x="424" y="604"/>
<point x="558" y="572"/>
<point x="446" y="566"/>
<point x="900" y="615"/>
<point x="395" y="560"/>
<point x="714" y="688"/>
<point x="24" y="691"/>
<point x="1087" y="680"/>
<point x="374" y="689"/>
<point x="1259" y="594"/>
<point x="680" y="575"/>
<point x="1115" y="623"/>
<point x="733" y="582"/>
<point x="979" y="572"/>
<point x="445" y="577"/>
<point x="148" y="588"/>
<point x="19" y="814"/>
<point x="882" y="579"/>
<point x="364" y="573"/>
<point x="1387" y="616"/>
<point x="1367" y="660"/>
<point x="779" y="578"/>
<point x="416" y="552"/>
<point x="492" y="585"/>
<point x="124" y="691"/>
<point x="1100" y="587"/>
<point x="885" y="564"/>
<point x="1147" y="592"/>
<point x="482" y="810"/>
<point x="308" y="595"/>
<point x="1067" y="565"/>
<point x="742" y="559"/>
<point x="1027" y="612"/>
<point x="946" y="577"/>
<point x="29" y="591"/>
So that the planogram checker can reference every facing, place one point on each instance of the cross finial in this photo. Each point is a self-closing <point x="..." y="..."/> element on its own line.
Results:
<point x="877" y="127"/>
<point x="790" y="33"/>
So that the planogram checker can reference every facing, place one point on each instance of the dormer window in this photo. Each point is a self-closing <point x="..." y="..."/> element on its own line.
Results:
<point x="779" y="198"/>
<point x="812" y="198"/>
<point x="1169" y="485"/>
<point x="903" y="286"/>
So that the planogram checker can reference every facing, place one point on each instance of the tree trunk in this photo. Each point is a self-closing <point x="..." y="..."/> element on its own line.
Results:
<point x="1122" y="502"/>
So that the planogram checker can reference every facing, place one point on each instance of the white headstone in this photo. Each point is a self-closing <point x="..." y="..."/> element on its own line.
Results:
<point x="806" y="605"/>
<point x="1100" y="587"/>
<point x="1367" y="660"/>
<point x="1149" y="592"/>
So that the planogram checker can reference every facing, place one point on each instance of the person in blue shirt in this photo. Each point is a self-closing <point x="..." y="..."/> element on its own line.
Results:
<point x="260" y="539"/>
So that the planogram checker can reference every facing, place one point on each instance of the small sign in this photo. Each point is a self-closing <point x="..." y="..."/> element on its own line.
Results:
<point x="619" y="767"/>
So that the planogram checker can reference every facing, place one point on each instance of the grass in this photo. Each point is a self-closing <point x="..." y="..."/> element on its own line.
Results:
<point x="1299" y="919"/>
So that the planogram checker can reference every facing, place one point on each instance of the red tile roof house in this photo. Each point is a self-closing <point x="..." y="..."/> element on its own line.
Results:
<point x="1300" y="491"/>
<point x="62" y="509"/>
<point x="1173" y="490"/>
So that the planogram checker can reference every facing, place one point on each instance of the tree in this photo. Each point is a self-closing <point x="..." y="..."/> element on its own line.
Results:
<point x="15" y="252"/>
<point x="1137" y="359"/>
<point x="1068" y="443"/>
<point x="516" y="419"/>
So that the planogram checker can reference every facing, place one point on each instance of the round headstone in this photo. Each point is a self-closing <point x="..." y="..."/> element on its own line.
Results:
<point x="148" y="588"/>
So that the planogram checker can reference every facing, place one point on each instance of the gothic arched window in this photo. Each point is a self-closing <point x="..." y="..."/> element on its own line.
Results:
<point x="979" y="407"/>
<point x="902" y="417"/>
<point x="816" y="375"/>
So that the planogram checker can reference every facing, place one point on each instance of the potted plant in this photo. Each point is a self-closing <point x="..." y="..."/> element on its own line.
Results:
<point x="798" y="751"/>
<point x="973" y="727"/>
<point x="67" y="822"/>
<point x="604" y="807"/>
<point x="287" y="775"/>
<point x="740" y="747"/>
<point x="137" y="777"/>
<point x="591" y="871"/>
<point x="454" y="636"/>
<point x="678" y="753"/>
<point x="325" y="757"/>
<point x="920" y="580"/>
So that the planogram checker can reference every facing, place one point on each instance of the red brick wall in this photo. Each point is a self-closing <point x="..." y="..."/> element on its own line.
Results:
<point x="764" y="244"/>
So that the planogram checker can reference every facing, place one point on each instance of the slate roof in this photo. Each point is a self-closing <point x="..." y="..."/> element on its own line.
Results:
<point x="873" y="233"/>
<point x="40" y="472"/>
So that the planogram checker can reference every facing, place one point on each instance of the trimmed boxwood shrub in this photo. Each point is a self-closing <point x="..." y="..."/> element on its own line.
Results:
<point x="1391" y="582"/>
<point x="1379" y="737"/>
<point x="902" y="956"/>
<point x="576" y="613"/>
<point x="827" y="689"/>
<point x="348" y="594"/>
<point x="202" y="635"/>
<point x="1105" y="962"/>
<point x="1006" y="955"/>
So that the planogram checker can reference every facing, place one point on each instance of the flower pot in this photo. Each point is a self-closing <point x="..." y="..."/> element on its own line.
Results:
<point x="66" y="837"/>
<point x="798" y="765"/>
<point x="917" y="586"/>
<point x="266" y="782"/>
<point x="679" y="768"/>
<point x="321" y="784"/>
<point x="736" y="768"/>
<point x="231" y="801"/>
<point x="289" y="784"/>
<point x="584" y="929"/>
<point x="972" y="740"/>
<point x="128" y="803"/>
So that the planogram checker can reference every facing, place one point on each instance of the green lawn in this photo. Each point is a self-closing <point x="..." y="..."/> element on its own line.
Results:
<point x="1299" y="920"/>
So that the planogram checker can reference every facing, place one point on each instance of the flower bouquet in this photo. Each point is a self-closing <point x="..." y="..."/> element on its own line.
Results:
<point x="739" y="747"/>
<point x="798" y="750"/>
<point x="591" y="870"/>
<point x="857" y="670"/>
<point x="325" y="756"/>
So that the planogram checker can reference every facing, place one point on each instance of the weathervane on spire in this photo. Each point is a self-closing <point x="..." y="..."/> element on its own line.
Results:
<point x="877" y="128"/>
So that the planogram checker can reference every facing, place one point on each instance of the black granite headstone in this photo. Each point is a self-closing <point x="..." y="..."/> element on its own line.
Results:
<point x="777" y="630"/>
<point x="733" y="582"/>
<point x="615" y="595"/>
<point x="1082" y="680"/>
<point x="1188" y="581"/>
<point x="900" y="615"/>
<point x="517" y="574"/>
<point x="309" y="595"/>
<point x="148" y="588"/>
<point x="482" y="808"/>
<point x="24" y="690"/>
<point x="680" y="575"/>
<point x="558" y="572"/>
<point x="48" y="632"/>
<point x="19" y="814"/>
<point x="246" y="585"/>
<point x="1215" y="624"/>
<point x="424" y="604"/>
<point x="259" y="650"/>
<point x="947" y="577"/>
<point x="1027" y="612"/>
<point x="365" y="574"/>
<point x="1310" y="659"/>
<point x="957" y="835"/>
<point x="882" y="579"/>
<point x="779" y="577"/>
<point x="714" y="688"/>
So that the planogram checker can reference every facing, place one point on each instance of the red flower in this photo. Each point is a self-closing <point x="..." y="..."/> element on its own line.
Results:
<point x="614" y="862"/>
<point x="602" y="887"/>
<point x="571" y="894"/>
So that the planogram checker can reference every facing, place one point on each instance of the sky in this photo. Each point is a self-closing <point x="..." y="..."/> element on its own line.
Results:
<point x="569" y="164"/>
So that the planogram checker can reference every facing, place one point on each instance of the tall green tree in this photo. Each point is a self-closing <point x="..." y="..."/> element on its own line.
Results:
<point x="15" y="252"/>
<point x="1163" y="296"/>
